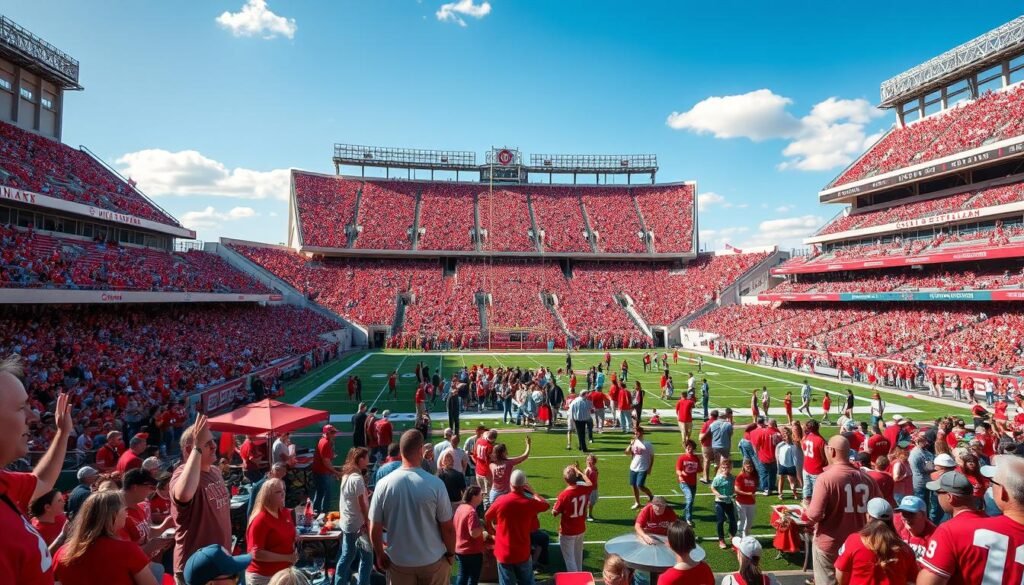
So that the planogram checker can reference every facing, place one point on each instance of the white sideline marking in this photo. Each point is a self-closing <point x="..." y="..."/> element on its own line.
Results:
<point x="316" y="391"/>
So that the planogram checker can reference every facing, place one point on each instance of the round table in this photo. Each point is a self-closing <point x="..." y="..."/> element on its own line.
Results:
<point x="649" y="558"/>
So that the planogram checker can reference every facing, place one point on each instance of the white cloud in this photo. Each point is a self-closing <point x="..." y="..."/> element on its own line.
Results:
<point x="712" y="239"/>
<point x="210" y="218"/>
<point x="706" y="200"/>
<point x="785" y="233"/>
<point x="758" y="115"/>
<point x="454" y="11"/>
<point x="256" y="20"/>
<point x="187" y="172"/>
<point x="784" y="208"/>
<point x="831" y="135"/>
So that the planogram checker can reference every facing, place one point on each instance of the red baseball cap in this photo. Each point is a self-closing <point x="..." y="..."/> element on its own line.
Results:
<point x="329" y="429"/>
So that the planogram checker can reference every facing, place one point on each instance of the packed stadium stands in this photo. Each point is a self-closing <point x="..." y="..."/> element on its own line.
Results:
<point x="613" y="216"/>
<point x="668" y="213"/>
<point x="326" y="208"/>
<point x="505" y="216"/>
<point x="387" y="211"/>
<point x="559" y="214"/>
<point x="991" y="117"/>
<point x="38" y="164"/>
<point x="446" y="217"/>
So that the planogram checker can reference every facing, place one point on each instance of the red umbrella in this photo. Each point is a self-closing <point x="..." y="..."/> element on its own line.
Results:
<point x="267" y="416"/>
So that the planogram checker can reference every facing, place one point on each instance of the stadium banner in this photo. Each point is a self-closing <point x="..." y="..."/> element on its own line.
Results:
<point x="953" y="163"/>
<point x="930" y="221"/>
<point x="40" y="200"/>
<point x="964" y="254"/>
<point x="222" y="396"/>
<point x="898" y="296"/>
<point x="36" y="296"/>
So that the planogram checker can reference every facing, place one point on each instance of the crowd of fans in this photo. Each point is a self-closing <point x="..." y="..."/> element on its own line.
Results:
<point x="613" y="215"/>
<point x="993" y="116"/>
<point x="558" y="212"/>
<point x="446" y="218"/>
<point x="34" y="163"/>
<point x="387" y="211"/>
<point x="326" y="207"/>
<point x="32" y="259"/>
<point x="668" y="213"/>
<point x="505" y="216"/>
<point x="937" y="277"/>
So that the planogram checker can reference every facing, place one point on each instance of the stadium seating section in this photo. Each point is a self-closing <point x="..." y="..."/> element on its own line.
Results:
<point x="993" y="116"/>
<point x="367" y="292"/>
<point x="939" y="278"/>
<point x="36" y="260"/>
<point x="105" y="355"/>
<point x="41" y="165"/>
<point x="448" y="213"/>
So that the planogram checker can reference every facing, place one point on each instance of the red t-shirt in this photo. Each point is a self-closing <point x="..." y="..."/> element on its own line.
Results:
<point x="788" y="403"/>
<point x="706" y="441"/>
<point x="572" y="508"/>
<point x="689" y="466"/>
<point x="747" y="483"/>
<point x="110" y="561"/>
<point x="625" y="400"/>
<point x="515" y="517"/>
<point x="50" y="530"/>
<point x="276" y="535"/>
<point x="159" y="509"/>
<point x="918" y="544"/>
<point x="599" y="399"/>
<point x="878" y="445"/>
<point x="652" y="523"/>
<point x="106" y="458"/>
<point x="684" y="410"/>
<point x="699" y="575"/>
<point x="466" y="520"/>
<point x="814" y="453"/>
<point x="128" y="460"/>
<point x="325" y="449"/>
<point x="861" y="564"/>
<point x="764" y="440"/>
<point x="25" y="559"/>
<point x="826" y="403"/>
<point x="420" y="395"/>
<point x="385" y="432"/>
<point x="136" y="526"/>
<point x="482" y="455"/>
<point x="960" y="547"/>
<point x="885" y="483"/>
<point x="592" y="473"/>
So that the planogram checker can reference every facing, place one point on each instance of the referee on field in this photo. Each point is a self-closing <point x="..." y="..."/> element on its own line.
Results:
<point x="580" y="412"/>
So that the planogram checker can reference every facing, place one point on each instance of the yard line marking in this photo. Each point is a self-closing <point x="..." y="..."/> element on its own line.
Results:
<point x="398" y="368"/>
<point x="316" y="392"/>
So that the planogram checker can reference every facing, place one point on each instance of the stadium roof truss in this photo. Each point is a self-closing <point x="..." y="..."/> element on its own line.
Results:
<point x="997" y="45"/>
<point x="594" y="163"/>
<point x="413" y="158"/>
<point x="34" y="53"/>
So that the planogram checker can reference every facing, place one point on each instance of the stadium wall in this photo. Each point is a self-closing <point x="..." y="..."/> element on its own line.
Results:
<point x="39" y="109"/>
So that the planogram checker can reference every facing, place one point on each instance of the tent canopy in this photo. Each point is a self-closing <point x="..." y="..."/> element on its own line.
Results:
<point x="267" y="416"/>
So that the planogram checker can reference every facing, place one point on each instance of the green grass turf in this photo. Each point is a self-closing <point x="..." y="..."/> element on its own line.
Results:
<point x="730" y="382"/>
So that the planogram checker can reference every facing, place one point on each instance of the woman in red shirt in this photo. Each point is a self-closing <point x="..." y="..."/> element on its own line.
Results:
<point x="826" y="405"/>
<point x="94" y="554"/>
<point x="47" y="515"/>
<point x="876" y="554"/>
<point x="745" y="488"/>
<point x="690" y="567"/>
<point x="271" y="534"/>
<point x="469" y="537"/>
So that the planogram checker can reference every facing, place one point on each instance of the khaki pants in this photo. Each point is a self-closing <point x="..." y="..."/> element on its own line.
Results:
<point x="437" y="573"/>
<point x="824" y="566"/>
<point x="685" y="429"/>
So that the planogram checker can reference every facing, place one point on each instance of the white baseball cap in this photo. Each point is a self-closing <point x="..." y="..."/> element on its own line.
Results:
<point x="748" y="545"/>
<point x="945" y="460"/>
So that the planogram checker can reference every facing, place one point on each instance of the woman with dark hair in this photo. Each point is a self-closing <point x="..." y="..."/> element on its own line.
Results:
<point x="469" y="537"/>
<point x="48" y="515"/>
<point x="501" y="468"/>
<point x="876" y="554"/>
<point x="690" y="567"/>
<point x="354" y="507"/>
<point x="748" y="553"/>
<point x="94" y="553"/>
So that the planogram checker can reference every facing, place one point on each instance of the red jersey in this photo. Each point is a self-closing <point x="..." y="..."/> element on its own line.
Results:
<point x="826" y="403"/>
<point x="276" y="535"/>
<point x="764" y="440"/>
<point x="878" y="445"/>
<point x="1000" y="413"/>
<point x="515" y="517"/>
<point x="482" y="455"/>
<point x="136" y="526"/>
<point x="839" y="504"/>
<point x="652" y="523"/>
<point x="918" y="544"/>
<point x="571" y="506"/>
<point x="964" y="547"/>
<point x="788" y="403"/>
<point x="106" y="458"/>
<point x="128" y="460"/>
<point x="325" y="450"/>
<point x="50" y="530"/>
<point x="592" y="473"/>
<point x="598" y="399"/>
<point x="421" y="396"/>
<point x="625" y="400"/>
<point x="706" y="441"/>
<point x="684" y="410"/>
<point x="689" y="466"/>
<point x="385" y="432"/>
<point x="861" y="564"/>
<point x="885" y="484"/>
<point x="813" y="447"/>
<point x="978" y="411"/>
<point x="110" y="561"/>
<point x="747" y="483"/>
<point x="699" y="575"/>
<point x="159" y="509"/>
<point x="25" y="560"/>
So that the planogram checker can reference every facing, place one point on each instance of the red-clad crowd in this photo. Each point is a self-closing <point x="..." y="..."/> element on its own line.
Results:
<point x="613" y="215"/>
<point x="999" y="276"/>
<point x="505" y="218"/>
<point x="35" y="163"/>
<point x="446" y="216"/>
<point x="668" y="213"/>
<point x="558" y="213"/>
<point x="326" y="207"/>
<point x="387" y="211"/>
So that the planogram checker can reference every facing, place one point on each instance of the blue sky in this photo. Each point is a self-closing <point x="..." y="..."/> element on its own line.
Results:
<point x="207" y="104"/>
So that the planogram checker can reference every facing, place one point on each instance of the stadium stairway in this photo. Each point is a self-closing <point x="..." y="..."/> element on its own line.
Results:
<point x="353" y="230"/>
<point x="416" y="220"/>
<point x="478" y="241"/>
<point x="648" y="240"/>
<point x="591" y="235"/>
<point x="533" y="224"/>
<point x="626" y="302"/>
<point x="551" y="303"/>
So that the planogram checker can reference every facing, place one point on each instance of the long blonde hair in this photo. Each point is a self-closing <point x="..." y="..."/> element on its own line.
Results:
<point x="880" y="538"/>
<point x="94" y="521"/>
<point x="289" y="576"/>
<point x="261" y="497"/>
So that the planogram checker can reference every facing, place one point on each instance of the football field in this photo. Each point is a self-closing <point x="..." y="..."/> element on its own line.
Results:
<point x="731" y="384"/>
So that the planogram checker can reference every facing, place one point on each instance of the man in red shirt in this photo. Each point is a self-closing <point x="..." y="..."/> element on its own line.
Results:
<point x="684" y="414"/>
<point x="511" y="518"/>
<point x="323" y="468"/>
<point x="912" y="524"/>
<point x="705" y="445"/>
<point x="960" y="548"/>
<point x="109" y="453"/>
<point x="385" y="434"/>
<point x="838" y="506"/>
<point x="255" y="461"/>
<point x="879" y="444"/>
<point x="393" y="384"/>
<point x="25" y="559"/>
<point x="131" y="459"/>
<point x="482" y="456"/>
<point x="571" y="510"/>
<point x="764" y="440"/>
<point x="813" y="447"/>
<point x="654" y="518"/>
<point x="600" y="401"/>
<point x="625" y="410"/>
<point x="421" y="400"/>
<point x="877" y="471"/>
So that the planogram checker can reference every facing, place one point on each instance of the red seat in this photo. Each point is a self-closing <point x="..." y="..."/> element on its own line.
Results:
<point x="580" y="578"/>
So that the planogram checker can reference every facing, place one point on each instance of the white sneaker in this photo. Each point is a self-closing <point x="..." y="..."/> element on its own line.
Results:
<point x="635" y="507"/>
<point x="590" y="519"/>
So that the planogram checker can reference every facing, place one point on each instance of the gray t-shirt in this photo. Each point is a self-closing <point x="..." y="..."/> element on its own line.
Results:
<point x="721" y="434"/>
<point x="412" y="502"/>
<point x="921" y="466"/>
<point x="352" y="487"/>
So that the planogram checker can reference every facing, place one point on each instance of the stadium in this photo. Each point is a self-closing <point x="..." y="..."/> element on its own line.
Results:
<point x="516" y="283"/>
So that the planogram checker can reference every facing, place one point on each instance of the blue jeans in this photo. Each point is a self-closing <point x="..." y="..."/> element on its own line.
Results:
<point x="725" y="511"/>
<point x="507" y="414"/>
<point x="704" y="403"/>
<point x="469" y="569"/>
<point x="809" y="485"/>
<point x="321" y="487"/>
<point x="624" y="420"/>
<point x="520" y="574"/>
<point x="747" y="452"/>
<point x="688" y="496"/>
<point x="349" y="551"/>
<point x="771" y="473"/>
